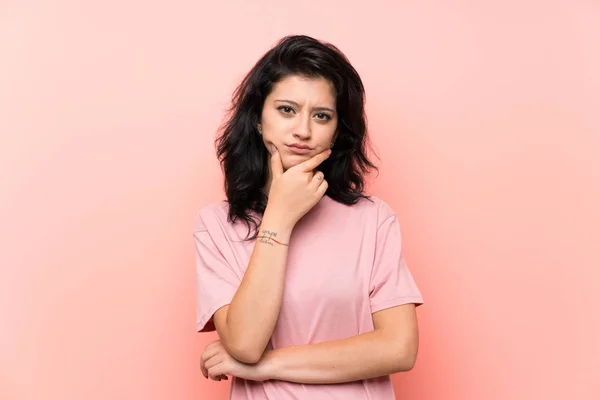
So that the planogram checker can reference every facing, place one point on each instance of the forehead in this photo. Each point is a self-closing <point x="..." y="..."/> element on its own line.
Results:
<point x="303" y="89"/>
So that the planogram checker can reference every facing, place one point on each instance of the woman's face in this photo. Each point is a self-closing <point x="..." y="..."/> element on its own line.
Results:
<point x="299" y="117"/>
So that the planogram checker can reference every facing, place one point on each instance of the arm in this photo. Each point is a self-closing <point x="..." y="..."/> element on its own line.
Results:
<point x="390" y="348"/>
<point x="246" y="324"/>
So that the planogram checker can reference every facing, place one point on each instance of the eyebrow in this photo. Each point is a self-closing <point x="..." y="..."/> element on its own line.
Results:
<point x="314" y="108"/>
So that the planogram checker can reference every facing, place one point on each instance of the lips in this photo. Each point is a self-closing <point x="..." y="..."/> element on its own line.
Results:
<point x="299" y="148"/>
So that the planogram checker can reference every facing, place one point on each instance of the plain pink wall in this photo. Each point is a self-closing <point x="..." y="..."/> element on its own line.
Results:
<point x="486" y="118"/>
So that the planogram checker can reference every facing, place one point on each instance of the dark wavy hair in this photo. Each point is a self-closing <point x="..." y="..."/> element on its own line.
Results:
<point x="240" y="148"/>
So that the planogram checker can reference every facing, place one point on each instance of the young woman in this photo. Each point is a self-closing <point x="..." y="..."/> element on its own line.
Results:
<point x="301" y="273"/>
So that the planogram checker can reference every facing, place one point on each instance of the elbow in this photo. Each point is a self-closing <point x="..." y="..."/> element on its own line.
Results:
<point x="407" y="362"/>
<point x="241" y="347"/>
<point x="406" y="357"/>
<point x="246" y="353"/>
<point x="247" y="357"/>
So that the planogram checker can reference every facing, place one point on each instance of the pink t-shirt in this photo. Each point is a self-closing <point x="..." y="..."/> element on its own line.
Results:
<point x="344" y="263"/>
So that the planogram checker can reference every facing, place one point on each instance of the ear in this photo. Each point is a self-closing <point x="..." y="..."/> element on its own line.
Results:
<point x="259" y="127"/>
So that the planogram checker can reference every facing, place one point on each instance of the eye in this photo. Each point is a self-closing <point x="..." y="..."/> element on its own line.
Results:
<point x="323" y="116"/>
<point x="285" y="109"/>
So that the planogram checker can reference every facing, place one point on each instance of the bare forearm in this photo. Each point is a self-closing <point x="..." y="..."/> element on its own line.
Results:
<point x="360" y="357"/>
<point x="254" y="309"/>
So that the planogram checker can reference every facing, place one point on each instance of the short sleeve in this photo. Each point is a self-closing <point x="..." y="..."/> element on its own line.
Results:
<point x="216" y="280"/>
<point x="391" y="281"/>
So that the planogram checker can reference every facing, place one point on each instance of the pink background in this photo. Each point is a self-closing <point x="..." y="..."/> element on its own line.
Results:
<point x="486" y="118"/>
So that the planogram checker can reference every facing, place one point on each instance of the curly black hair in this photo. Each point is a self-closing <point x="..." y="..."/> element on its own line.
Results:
<point x="241" y="150"/>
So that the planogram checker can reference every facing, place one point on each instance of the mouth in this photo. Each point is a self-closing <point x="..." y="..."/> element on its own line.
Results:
<point x="298" y="149"/>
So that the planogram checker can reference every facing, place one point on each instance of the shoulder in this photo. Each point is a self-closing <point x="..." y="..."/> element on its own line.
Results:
<point x="371" y="211"/>
<point x="374" y="208"/>
<point x="209" y="214"/>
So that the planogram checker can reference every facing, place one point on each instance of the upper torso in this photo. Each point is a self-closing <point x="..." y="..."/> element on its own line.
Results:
<point x="329" y="289"/>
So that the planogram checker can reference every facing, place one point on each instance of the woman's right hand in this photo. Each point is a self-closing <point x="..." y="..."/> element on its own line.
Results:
<point x="294" y="192"/>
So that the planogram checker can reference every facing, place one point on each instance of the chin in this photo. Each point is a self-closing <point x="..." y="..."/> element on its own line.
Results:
<point x="292" y="160"/>
<point x="287" y="163"/>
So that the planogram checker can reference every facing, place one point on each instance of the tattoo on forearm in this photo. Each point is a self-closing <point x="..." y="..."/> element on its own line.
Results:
<point x="268" y="237"/>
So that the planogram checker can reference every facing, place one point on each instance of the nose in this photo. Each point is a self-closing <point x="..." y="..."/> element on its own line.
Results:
<point x="302" y="128"/>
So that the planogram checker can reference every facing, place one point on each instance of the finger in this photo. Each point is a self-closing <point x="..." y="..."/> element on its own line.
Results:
<point x="322" y="188"/>
<point x="213" y="376"/>
<point x="204" y="370"/>
<point x="315" y="161"/>
<point x="211" y="362"/>
<point x="216" y="372"/>
<point x="213" y="344"/>
<point x="209" y="353"/>
<point x="276" y="166"/>
<point x="316" y="180"/>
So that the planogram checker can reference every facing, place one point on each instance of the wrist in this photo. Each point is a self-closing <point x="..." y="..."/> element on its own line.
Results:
<point x="275" y="220"/>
